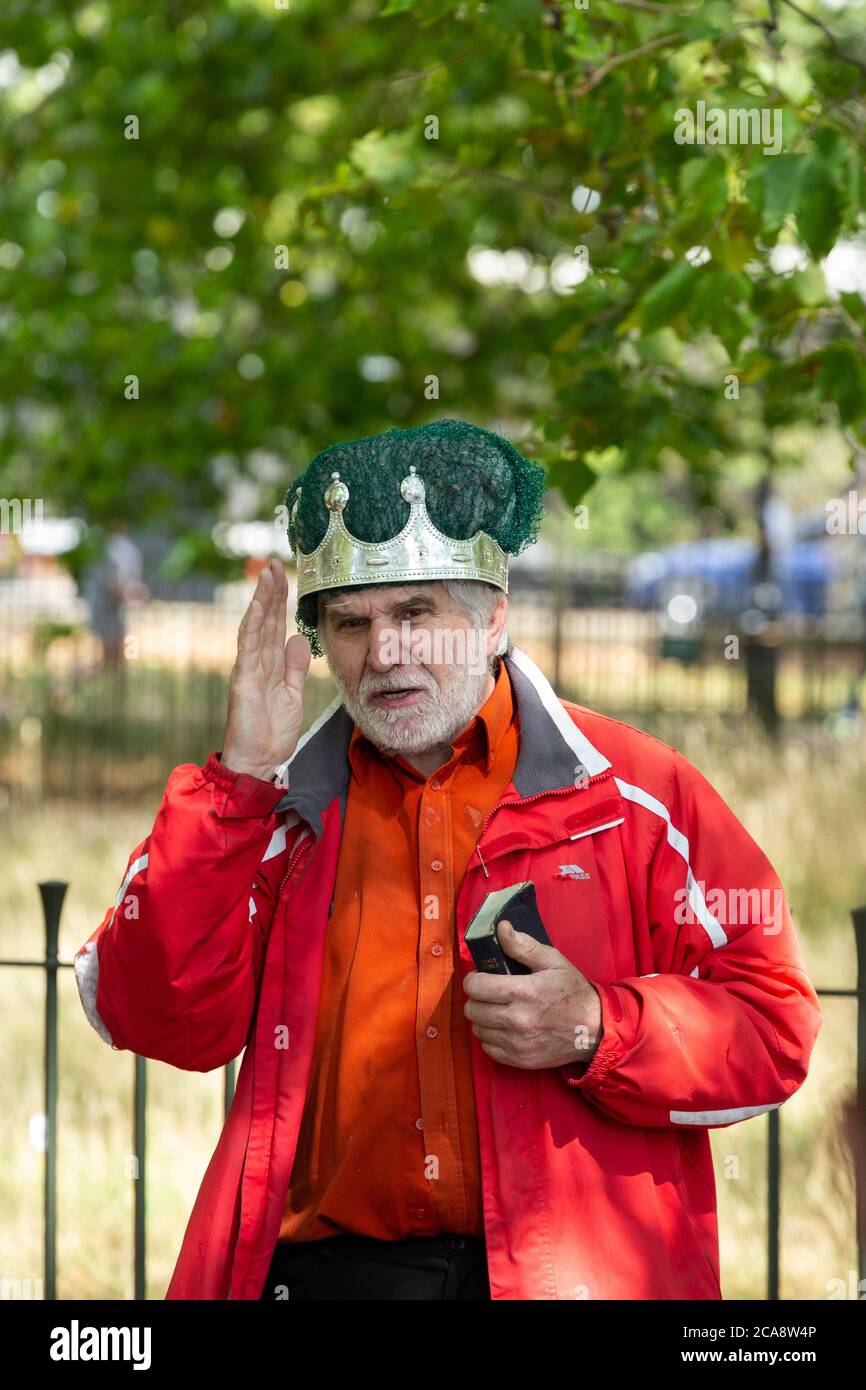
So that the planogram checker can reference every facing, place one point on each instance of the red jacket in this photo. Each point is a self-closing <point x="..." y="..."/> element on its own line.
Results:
<point x="598" y="1183"/>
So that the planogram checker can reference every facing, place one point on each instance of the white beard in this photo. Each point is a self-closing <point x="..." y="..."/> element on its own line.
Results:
<point x="436" y="719"/>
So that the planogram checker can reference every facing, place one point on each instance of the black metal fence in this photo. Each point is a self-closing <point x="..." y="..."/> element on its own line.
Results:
<point x="53" y="894"/>
<point x="69" y="720"/>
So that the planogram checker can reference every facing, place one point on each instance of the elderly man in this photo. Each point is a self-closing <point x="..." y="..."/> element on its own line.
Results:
<point x="406" y="1126"/>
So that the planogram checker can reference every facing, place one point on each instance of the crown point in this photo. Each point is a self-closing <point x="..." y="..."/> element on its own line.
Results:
<point x="336" y="494"/>
<point x="412" y="487"/>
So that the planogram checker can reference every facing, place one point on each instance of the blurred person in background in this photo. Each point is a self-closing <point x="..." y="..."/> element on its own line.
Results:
<point x="109" y="584"/>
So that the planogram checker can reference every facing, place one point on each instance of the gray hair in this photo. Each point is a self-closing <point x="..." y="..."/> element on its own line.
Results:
<point x="476" y="597"/>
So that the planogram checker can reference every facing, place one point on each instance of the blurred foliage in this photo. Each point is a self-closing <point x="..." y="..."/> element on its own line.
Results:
<point x="327" y="205"/>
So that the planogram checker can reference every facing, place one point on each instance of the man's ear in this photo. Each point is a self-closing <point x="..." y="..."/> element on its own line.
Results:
<point x="497" y="638"/>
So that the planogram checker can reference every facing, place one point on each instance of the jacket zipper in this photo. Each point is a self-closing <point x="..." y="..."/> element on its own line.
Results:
<point x="294" y="859"/>
<point x="523" y="800"/>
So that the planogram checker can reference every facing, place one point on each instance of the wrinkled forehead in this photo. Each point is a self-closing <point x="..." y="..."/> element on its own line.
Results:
<point x="379" y="598"/>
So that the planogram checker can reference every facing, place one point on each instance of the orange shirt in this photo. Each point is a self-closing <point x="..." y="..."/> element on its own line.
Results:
<point x="388" y="1145"/>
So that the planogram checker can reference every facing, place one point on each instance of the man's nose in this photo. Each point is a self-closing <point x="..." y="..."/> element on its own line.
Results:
<point x="383" y="649"/>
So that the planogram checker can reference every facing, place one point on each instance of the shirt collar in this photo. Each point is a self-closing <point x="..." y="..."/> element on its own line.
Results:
<point x="484" y="731"/>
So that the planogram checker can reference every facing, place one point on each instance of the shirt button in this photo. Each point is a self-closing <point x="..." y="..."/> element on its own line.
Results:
<point x="435" y="783"/>
<point x="432" y="1032"/>
<point x="419" y="1124"/>
<point x="436" y="865"/>
<point x="437" y="948"/>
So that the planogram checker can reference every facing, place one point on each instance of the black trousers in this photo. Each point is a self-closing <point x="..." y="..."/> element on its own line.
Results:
<point x="359" y="1267"/>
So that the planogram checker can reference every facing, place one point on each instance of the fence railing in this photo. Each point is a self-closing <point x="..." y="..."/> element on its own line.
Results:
<point x="53" y="893"/>
<point x="67" y="719"/>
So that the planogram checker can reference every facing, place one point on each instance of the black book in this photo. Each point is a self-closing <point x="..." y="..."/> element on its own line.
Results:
<point x="515" y="904"/>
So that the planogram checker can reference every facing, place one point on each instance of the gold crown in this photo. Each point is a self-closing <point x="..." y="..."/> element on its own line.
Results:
<point x="420" y="551"/>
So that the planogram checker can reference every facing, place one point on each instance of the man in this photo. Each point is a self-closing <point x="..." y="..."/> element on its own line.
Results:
<point x="405" y="1126"/>
<point x="108" y="586"/>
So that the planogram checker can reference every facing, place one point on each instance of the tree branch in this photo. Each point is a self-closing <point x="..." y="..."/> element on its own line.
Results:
<point x="466" y="171"/>
<point x="652" y="8"/>
<point x="600" y="73"/>
<point x="838" y="51"/>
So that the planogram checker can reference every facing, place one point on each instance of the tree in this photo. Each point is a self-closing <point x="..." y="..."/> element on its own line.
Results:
<point x="235" y="232"/>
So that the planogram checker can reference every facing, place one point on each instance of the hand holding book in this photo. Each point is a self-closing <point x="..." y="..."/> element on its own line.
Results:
<point x="529" y="1005"/>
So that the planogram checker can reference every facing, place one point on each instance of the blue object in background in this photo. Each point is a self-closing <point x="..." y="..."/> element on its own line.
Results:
<point x="726" y="565"/>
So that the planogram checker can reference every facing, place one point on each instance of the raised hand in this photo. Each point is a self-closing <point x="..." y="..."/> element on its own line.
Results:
<point x="265" y="707"/>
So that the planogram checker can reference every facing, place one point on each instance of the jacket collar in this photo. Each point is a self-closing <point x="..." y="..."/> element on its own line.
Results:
<point x="553" y="752"/>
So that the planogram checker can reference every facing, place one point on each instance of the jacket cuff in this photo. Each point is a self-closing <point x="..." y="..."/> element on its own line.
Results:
<point x="239" y="793"/>
<point x="610" y="1051"/>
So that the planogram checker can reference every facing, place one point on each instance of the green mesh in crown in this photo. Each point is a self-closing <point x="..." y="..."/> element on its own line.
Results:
<point x="475" y="480"/>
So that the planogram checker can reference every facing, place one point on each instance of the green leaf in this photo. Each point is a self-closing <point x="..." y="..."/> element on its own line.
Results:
<point x="712" y="20"/>
<point x="804" y="185"/>
<point x="385" y="158"/>
<point x="573" y="478"/>
<point x="720" y="302"/>
<point x="819" y="207"/>
<point x="841" y="378"/>
<point x="854" y="176"/>
<point x="703" y="181"/>
<point x="781" y="176"/>
<point x="668" y="296"/>
<point x="662" y="348"/>
<point x="809" y="286"/>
